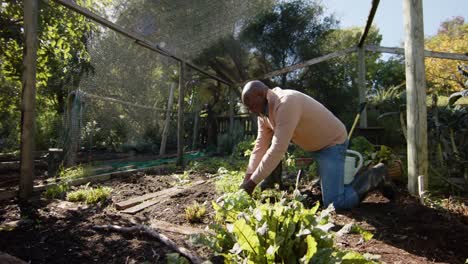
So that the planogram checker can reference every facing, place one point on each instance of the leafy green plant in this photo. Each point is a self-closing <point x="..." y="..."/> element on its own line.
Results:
<point x="384" y="155"/>
<point x="195" y="212"/>
<point x="243" y="148"/>
<point x="248" y="231"/>
<point x="76" y="172"/>
<point x="89" y="195"/>
<point x="228" y="181"/>
<point x="363" y="146"/>
<point x="57" y="191"/>
<point x="176" y="258"/>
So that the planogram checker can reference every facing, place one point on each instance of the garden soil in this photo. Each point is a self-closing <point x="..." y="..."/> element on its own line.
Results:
<point x="57" y="231"/>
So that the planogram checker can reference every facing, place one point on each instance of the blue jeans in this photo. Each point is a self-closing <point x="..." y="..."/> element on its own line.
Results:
<point x="330" y="163"/>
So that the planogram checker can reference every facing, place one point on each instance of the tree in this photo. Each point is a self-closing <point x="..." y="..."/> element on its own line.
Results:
<point x="288" y="33"/>
<point x="443" y="75"/>
<point x="62" y="57"/>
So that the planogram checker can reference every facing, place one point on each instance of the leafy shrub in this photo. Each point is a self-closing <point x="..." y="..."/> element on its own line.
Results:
<point x="195" y="212"/>
<point x="363" y="146"/>
<point x="89" y="195"/>
<point x="284" y="232"/>
<point x="244" y="148"/>
<point x="57" y="191"/>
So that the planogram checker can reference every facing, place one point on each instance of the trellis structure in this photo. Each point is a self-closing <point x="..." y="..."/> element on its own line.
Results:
<point x="415" y="82"/>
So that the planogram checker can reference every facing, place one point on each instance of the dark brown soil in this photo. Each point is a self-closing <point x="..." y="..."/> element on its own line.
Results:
<point x="55" y="231"/>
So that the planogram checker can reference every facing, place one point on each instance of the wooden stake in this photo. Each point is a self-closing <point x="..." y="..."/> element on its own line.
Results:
<point x="421" y="191"/>
<point x="28" y="104"/>
<point x="416" y="93"/>
<point x="162" y="149"/>
<point x="180" y="120"/>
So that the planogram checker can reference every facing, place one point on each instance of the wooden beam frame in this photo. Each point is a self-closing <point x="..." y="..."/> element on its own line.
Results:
<point x="427" y="53"/>
<point x="307" y="63"/>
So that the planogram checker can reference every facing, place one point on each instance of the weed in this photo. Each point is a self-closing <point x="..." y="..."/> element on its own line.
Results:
<point x="57" y="191"/>
<point x="89" y="195"/>
<point x="76" y="172"/>
<point x="195" y="212"/>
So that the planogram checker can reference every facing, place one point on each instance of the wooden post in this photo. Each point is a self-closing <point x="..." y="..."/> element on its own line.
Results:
<point x="231" y="111"/>
<point x="28" y="104"/>
<point x="162" y="149"/>
<point x="362" y="85"/>
<point x="195" y="129"/>
<point x="180" y="119"/>
<point x="416" y="111"/>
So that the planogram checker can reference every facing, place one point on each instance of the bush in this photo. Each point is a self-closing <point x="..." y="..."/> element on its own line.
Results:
<point x="89" y="195"/>
<point x="243" y="148"/>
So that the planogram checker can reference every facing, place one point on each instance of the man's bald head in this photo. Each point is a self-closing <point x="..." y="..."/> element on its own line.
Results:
<point x="254" y="96"/>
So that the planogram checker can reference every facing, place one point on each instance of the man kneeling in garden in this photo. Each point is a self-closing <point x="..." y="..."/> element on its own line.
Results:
<point x="286" y="115"/>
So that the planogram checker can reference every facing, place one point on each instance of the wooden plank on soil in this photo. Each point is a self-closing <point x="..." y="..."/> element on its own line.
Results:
<point x="184" y="230"/>
<point x="161" y="194"/>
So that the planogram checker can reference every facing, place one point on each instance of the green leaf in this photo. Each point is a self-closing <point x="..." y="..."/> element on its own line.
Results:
<point x="246" y="236"/>
<point x="311" y="249"/>
<point x="366" y="235"/>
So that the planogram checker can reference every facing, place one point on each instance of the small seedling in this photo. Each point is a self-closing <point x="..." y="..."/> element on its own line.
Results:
<point x="195" y="212"/>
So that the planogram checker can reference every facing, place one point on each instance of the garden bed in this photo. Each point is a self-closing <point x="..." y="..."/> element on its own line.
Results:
<point x="57" y="231"/>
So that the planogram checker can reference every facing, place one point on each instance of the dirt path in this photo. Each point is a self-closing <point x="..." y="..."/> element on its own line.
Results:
<point x="54" y="231"/>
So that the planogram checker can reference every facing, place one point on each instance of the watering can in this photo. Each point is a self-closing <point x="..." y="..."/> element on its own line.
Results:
<point x="350" y="168"/>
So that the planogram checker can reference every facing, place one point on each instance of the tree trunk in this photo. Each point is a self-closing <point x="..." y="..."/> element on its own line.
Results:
<point x="28" y="105"/>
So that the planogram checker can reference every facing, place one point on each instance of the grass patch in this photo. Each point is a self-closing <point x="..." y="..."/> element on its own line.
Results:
<point x="76" y="172"/>
<point x="195" y="212"/>
<point x="89" y="195"/>
<point x="57" y="191"/>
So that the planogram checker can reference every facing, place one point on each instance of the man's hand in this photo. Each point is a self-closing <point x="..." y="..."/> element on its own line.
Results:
<point x="248" y="186"/>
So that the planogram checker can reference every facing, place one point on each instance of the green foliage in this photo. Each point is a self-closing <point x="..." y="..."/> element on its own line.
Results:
<point x="228" y="181"/>
<point x="248" y="231"/>
<point x="383" y="154"/>
<point x="62" y="58"/>
<point x="76" y="172"/>
<point x="228" y="141"/>
<point x="89" y="195"/>
<point x="195" y="212"/>
<point x="57" y="191"/>
<point x="176" y="258"/>
<point x="243" y="148"/>
<point x="212" y="164"/>
<point x="363" y="146"/>
<point x="392" y="94"/>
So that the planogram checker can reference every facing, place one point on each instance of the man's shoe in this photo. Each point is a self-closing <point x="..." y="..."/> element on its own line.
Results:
<point x="370" y="180"/>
